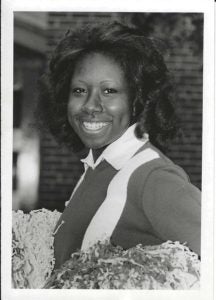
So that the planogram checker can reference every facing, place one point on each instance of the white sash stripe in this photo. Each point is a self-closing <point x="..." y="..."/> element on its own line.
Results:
<point x="108" y="214"/>
<point x="76" y="187"/>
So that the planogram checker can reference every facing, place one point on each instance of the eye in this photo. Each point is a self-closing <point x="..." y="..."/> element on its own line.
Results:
<point x="110" y="91"/>
<point x="78" y="91"/>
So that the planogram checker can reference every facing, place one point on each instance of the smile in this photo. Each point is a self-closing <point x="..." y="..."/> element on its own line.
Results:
<point x="94" y="126"/>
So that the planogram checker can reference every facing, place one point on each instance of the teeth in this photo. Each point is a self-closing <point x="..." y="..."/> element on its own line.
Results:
<point x="94" y="125"/>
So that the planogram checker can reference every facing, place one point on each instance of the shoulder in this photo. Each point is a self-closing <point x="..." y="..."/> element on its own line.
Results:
<point x="160" y="176"/>
<point x="159" y="168"/>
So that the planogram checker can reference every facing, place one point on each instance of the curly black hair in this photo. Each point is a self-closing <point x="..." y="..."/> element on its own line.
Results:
<point x="148" y="78"/>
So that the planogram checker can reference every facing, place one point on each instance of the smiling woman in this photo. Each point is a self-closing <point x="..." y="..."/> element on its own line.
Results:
<point x="108" y="90"/>
<point x="99" y="109"/>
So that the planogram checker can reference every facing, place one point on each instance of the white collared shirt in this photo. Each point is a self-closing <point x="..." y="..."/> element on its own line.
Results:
<point x="119" y="152"/>
<point x="116" y="154"/>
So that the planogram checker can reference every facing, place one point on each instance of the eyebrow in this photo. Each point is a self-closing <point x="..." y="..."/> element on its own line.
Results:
<point x="107" y="81"/>
<point x="80" y="81"/>
<point x="103" y="81"/>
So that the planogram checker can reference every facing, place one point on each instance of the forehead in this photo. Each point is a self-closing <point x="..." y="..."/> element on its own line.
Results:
<point x="98" y="65"/>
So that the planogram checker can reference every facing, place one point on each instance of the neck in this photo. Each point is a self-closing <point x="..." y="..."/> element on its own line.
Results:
<point x="97" y="152"/>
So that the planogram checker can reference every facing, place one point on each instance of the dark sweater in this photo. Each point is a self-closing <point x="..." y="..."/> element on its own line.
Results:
<point x="161" y="205"/>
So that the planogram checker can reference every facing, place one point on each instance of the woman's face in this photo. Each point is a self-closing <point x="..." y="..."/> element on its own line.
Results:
<point x="99" y="109"/>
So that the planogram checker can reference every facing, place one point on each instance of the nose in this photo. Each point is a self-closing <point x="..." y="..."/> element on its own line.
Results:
<point x="93" y="103"/>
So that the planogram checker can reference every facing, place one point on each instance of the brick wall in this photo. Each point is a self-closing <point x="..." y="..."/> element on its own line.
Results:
<point x="187" y="69"/>
<point x="60" y="169"/>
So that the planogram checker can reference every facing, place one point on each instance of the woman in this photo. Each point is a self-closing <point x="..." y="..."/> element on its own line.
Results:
<point x="108" y="90"/>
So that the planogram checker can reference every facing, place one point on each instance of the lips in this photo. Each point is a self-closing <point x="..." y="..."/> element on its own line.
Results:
<point x="94" y="126"/>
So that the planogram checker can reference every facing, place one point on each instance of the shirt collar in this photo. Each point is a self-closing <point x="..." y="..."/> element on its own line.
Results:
<point x="119" y="152"/>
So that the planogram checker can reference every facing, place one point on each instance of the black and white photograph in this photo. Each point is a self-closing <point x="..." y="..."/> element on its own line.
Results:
<point x="109" y="178"/>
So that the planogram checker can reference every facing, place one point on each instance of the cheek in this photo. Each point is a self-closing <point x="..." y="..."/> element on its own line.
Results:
<point x="73" y="108"/>
<point x="120" y="110"/>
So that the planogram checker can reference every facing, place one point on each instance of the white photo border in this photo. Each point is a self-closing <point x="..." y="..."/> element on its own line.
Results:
<point x="208" y="150"/>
